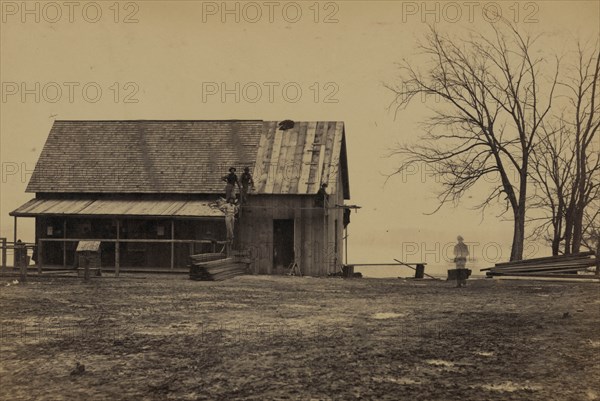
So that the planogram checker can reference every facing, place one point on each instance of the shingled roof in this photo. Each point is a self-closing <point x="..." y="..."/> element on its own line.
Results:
<point x="189" y="157"/>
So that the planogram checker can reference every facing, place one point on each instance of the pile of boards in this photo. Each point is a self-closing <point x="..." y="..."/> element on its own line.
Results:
<point x="217" y="266"/>
<point x="565" y="266"/>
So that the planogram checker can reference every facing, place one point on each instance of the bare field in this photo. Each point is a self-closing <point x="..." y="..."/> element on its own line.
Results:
<point x="159" y="337"/>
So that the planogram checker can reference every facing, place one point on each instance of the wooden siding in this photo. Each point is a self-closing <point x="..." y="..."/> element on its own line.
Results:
<point x="315" y="246"/>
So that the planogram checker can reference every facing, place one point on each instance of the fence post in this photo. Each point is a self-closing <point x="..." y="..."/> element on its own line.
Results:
<point x="21" y="260"/>
<point x="40" y="256"/>
<point x="172" y="244"/>
<point x="3" y="254"/>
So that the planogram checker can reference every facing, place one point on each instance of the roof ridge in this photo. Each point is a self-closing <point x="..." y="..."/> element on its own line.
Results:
<point x="155" y="120"/>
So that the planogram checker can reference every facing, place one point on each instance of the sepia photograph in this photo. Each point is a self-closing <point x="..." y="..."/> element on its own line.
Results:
<point x="300" y="200"/>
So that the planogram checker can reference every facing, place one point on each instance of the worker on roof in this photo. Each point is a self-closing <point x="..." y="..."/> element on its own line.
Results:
<point x="247" y="184"/>
<point x="231" y="179"/>
<point x="321" y="196"/>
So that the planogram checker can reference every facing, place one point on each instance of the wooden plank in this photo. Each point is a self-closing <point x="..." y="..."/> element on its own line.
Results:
<point x="532" y="262"/>
<point x="307" y="154"/>
<point x="288" y="162"/>
<point x="544" y="264"/>
<point x="316" y="160"/>
<point x="547" y="258"/>
<point x="573" y="263"/>
<point x="259" y="165"/>
<point x="206" y="257"/>
<point x="232" y="269"/>
<point x="334" y="162"/>
<point x="291" y="184"/>
<point x="565" y="278"/>
<point x="314" y="187"/>
<point x="548" y="271"/>
<point x="279" y="172"/>
<point x="329" y="142"/>
<point x="274" y="159"/>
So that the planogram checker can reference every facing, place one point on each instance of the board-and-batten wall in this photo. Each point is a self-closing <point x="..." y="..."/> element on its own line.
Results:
<point x="317" y="246"/>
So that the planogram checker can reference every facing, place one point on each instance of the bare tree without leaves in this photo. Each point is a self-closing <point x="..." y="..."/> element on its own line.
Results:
<point x="495" y="97"/>
<point x="553" y="161"/>
<point x="583" y="121"/>
<point x="591" y="230"/>
<point x="566" y="162"/>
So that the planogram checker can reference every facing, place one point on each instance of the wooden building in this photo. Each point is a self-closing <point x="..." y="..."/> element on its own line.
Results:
<point x="146" y="189"/>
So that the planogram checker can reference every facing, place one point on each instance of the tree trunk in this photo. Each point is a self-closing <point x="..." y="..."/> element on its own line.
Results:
<point x="580" y="203"/>
<point x="577" y="230"/>
<point x="598" y="256"/>
<point x="516" y="252"/>
<point x="518" y="236"/>
<point x="555" y="244"/>
<point x="557" y="225"/>
<point x="568" y="229"/>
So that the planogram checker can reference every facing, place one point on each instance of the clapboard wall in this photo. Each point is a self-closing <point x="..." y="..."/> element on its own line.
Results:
<point x="318" y="233"/>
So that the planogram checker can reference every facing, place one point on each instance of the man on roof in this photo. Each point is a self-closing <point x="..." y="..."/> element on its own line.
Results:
<point x="247" y="184"/>
<point x="231" y="179"/>
<point x="321" y="196"/>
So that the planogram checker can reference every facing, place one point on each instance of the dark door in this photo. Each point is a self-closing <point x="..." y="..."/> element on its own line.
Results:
<point x="283" y="243"/>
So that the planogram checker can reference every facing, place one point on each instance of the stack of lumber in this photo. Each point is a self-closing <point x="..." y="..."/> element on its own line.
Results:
<point x="207" y="257"/>
<point x="566" y="266"/>
<point x="217" y="269"/>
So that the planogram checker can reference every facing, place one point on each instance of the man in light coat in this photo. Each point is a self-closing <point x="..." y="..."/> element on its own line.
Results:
<point x="461" y="252"/>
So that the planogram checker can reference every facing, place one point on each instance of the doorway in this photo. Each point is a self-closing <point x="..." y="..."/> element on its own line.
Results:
<point x="283" y="244"/>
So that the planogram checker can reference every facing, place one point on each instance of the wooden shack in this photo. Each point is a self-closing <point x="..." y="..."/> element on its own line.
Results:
<point x="147" y="189"/>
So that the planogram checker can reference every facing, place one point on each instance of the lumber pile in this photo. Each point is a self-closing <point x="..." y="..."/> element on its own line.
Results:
<point x="217" y="269"/>
<point x="207" y="257"/>
<point x="570" y="266"/>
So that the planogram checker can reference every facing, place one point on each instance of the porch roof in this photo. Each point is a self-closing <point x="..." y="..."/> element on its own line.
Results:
<point x="118" y="207"/>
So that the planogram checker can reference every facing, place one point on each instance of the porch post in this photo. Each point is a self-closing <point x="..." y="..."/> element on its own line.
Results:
<point x="172" y="244"/>
<point x="3" y="253"/>
<point x="117" y="250"/>
<point x="65" y="242"/>
<point x="15" y="252"/>
<point x="40" y="255"/>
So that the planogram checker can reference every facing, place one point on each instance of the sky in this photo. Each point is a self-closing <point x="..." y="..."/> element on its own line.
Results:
<point x="304" y="61"/>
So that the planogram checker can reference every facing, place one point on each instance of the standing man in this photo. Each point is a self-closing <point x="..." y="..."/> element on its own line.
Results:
<point x="461" y="251"/>
<point x="247" y="183"/>
<point x="231" y="179"/>
<point x="230" y="209"/>
<point x="321" y="197"/>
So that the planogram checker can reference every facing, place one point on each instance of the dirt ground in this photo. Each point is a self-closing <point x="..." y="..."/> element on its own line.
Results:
<point x="159" y="337"/>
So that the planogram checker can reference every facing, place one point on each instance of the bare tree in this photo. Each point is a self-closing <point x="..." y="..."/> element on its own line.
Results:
<point x="591" y="230"/>
<point x="553" y="161"/>
<point x="492" y="107"/>
<point x="583" y="120"/>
